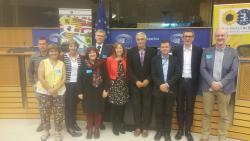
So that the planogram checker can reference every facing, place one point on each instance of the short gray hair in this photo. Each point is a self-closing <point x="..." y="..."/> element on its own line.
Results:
<point x="101" y="31"/>
<point x="141" y="34"/>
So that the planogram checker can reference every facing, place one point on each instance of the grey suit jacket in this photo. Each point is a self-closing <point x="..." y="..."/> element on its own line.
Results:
<point x="229" y="69"/>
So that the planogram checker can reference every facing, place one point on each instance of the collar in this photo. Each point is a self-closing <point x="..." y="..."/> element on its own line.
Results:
<point x="143" y="49"/>
<point x="187" y="48"/>
<point x="164" y="57"/>
<point x="42" y="55"/>
<point x="77" y="55"/>
<point x="220" y="49"/>
<point x="99" y="45"/>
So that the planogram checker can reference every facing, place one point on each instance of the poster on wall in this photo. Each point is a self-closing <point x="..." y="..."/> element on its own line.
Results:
<point x="76" y="24"/>
<point x="235" y="19"/>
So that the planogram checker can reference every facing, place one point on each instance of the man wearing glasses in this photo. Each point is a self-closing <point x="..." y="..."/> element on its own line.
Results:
<point x="190" y="58"/>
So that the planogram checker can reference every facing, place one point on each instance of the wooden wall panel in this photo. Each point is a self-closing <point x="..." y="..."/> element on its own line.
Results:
<point x="15" y="37"/>
<point x="9" y="72"/>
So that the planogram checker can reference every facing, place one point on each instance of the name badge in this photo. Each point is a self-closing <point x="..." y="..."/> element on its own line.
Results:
<point x="89" y="71"/>
<point x="58" y="71"/>
<point x="209" y="56"/>
<point x="104" y="56"/>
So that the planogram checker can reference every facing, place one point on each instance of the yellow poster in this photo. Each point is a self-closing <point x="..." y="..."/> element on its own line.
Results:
<point x="235" y="19"/>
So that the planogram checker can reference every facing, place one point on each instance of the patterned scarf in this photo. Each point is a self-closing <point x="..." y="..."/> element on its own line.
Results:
<point x="96" y="78"/>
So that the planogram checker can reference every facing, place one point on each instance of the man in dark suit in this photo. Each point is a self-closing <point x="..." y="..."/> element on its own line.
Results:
<point x="219" y="68"/>
<point x="104" y="51"/>
<point x="190" y="58"/>
<point x="165" y="73"/>
<point x="139" y="72"/>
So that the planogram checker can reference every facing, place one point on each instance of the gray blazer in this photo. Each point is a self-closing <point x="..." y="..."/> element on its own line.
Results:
<point x="229" y="69"/>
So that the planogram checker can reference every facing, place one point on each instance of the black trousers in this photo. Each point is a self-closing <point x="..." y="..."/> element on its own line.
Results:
<point x="185" y="104"/>
<point x="117" y="115"/>
<point x="163" y="112"/>
<point x="142" y="106"/>
<point x="71" y="101"/>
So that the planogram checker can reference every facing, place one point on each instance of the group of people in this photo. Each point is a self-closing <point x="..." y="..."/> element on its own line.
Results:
<point x="112" y="75"/>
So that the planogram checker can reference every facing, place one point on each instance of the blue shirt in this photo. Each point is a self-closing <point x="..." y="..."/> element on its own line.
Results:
<point x="165" y="67"/>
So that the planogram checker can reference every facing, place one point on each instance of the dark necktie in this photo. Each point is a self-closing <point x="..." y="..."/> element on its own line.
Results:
<point x="99" y="48"/>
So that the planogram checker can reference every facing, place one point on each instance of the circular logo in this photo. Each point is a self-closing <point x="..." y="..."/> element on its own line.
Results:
<point x="230" y="17"/>
<point x="55" y="38"/>
<point x="125" y="39"/>
<point x="176" y="38"/>
<point x="243" y="17"/>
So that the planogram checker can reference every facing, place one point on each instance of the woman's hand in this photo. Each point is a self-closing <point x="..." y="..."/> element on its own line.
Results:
<point x="104" y="94"/>
<point x="53" y="91"/>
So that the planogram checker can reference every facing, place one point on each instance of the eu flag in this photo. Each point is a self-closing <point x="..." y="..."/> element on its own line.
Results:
<point x="101" y="21"/>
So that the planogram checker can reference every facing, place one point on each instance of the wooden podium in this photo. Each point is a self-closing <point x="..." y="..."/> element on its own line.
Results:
<point x="242" y="102"/>
<point x="243" y="87"/>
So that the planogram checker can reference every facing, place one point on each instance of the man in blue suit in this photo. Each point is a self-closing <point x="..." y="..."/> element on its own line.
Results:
<point x="165" y="73"/>
<point x="219" y="67"/>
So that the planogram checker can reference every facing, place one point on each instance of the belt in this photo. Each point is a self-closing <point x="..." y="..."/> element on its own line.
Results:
<point x="186" y="79"/>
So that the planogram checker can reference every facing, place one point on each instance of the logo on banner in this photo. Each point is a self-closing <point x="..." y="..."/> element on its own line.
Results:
<point x="235" y="20"/>
<point x="125" y="39"/>
<point x="176" y="38"/>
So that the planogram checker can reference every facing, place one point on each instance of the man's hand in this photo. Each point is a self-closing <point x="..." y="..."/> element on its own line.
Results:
<point x="145" y="83"/>
<point x="139" y="84"/>
<point x="164" y="88"/>
<point x="216" y="86"/>
<point x="80" y="96"/>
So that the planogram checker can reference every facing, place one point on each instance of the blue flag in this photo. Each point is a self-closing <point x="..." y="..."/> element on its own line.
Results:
<point x="101" y="21"/>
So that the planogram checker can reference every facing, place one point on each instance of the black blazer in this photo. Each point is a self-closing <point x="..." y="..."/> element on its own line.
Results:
<point x="195" y="63"/>
<point x="135" y="70"/>
<point x="106" y="51"/>
<point x="92" y="96"/>
<point x="173" y="75"/>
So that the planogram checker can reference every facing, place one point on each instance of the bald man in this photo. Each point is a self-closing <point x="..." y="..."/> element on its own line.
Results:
<point x="219" y="67"/>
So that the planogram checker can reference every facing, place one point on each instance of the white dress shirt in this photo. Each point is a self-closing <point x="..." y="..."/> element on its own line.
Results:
<point x="187" y="56"/>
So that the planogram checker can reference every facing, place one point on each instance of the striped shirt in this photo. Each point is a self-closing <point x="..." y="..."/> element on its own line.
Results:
<point x="218" y="60"/>
<point x="71" y="67"/>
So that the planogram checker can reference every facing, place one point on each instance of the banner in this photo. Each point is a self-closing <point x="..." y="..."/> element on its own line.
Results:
<point x="76" y="24"/>
<point x="154" y="36"/>
<point x="235" y="19"/>
<point x="127" y="36"/>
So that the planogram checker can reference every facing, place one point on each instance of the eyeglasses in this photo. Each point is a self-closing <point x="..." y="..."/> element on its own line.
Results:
<point x="188" y="36"/>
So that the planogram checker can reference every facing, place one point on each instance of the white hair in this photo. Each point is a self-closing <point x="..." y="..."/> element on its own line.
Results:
<point x="141" y="34"/>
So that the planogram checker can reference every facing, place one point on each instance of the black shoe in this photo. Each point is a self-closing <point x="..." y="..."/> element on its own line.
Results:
<point x="115" y="131"/>
<point x="39" y="128"/>
<point x="122" y="130"/>
<point x="73" y="133"/>
<point x="158" y="135"/>
<point x="179" y="134"/>
<point x="167" y="137"/>
<point x="189" y="136"/>
<point x="102" y="127"/>
<point x="76" y="127"/>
